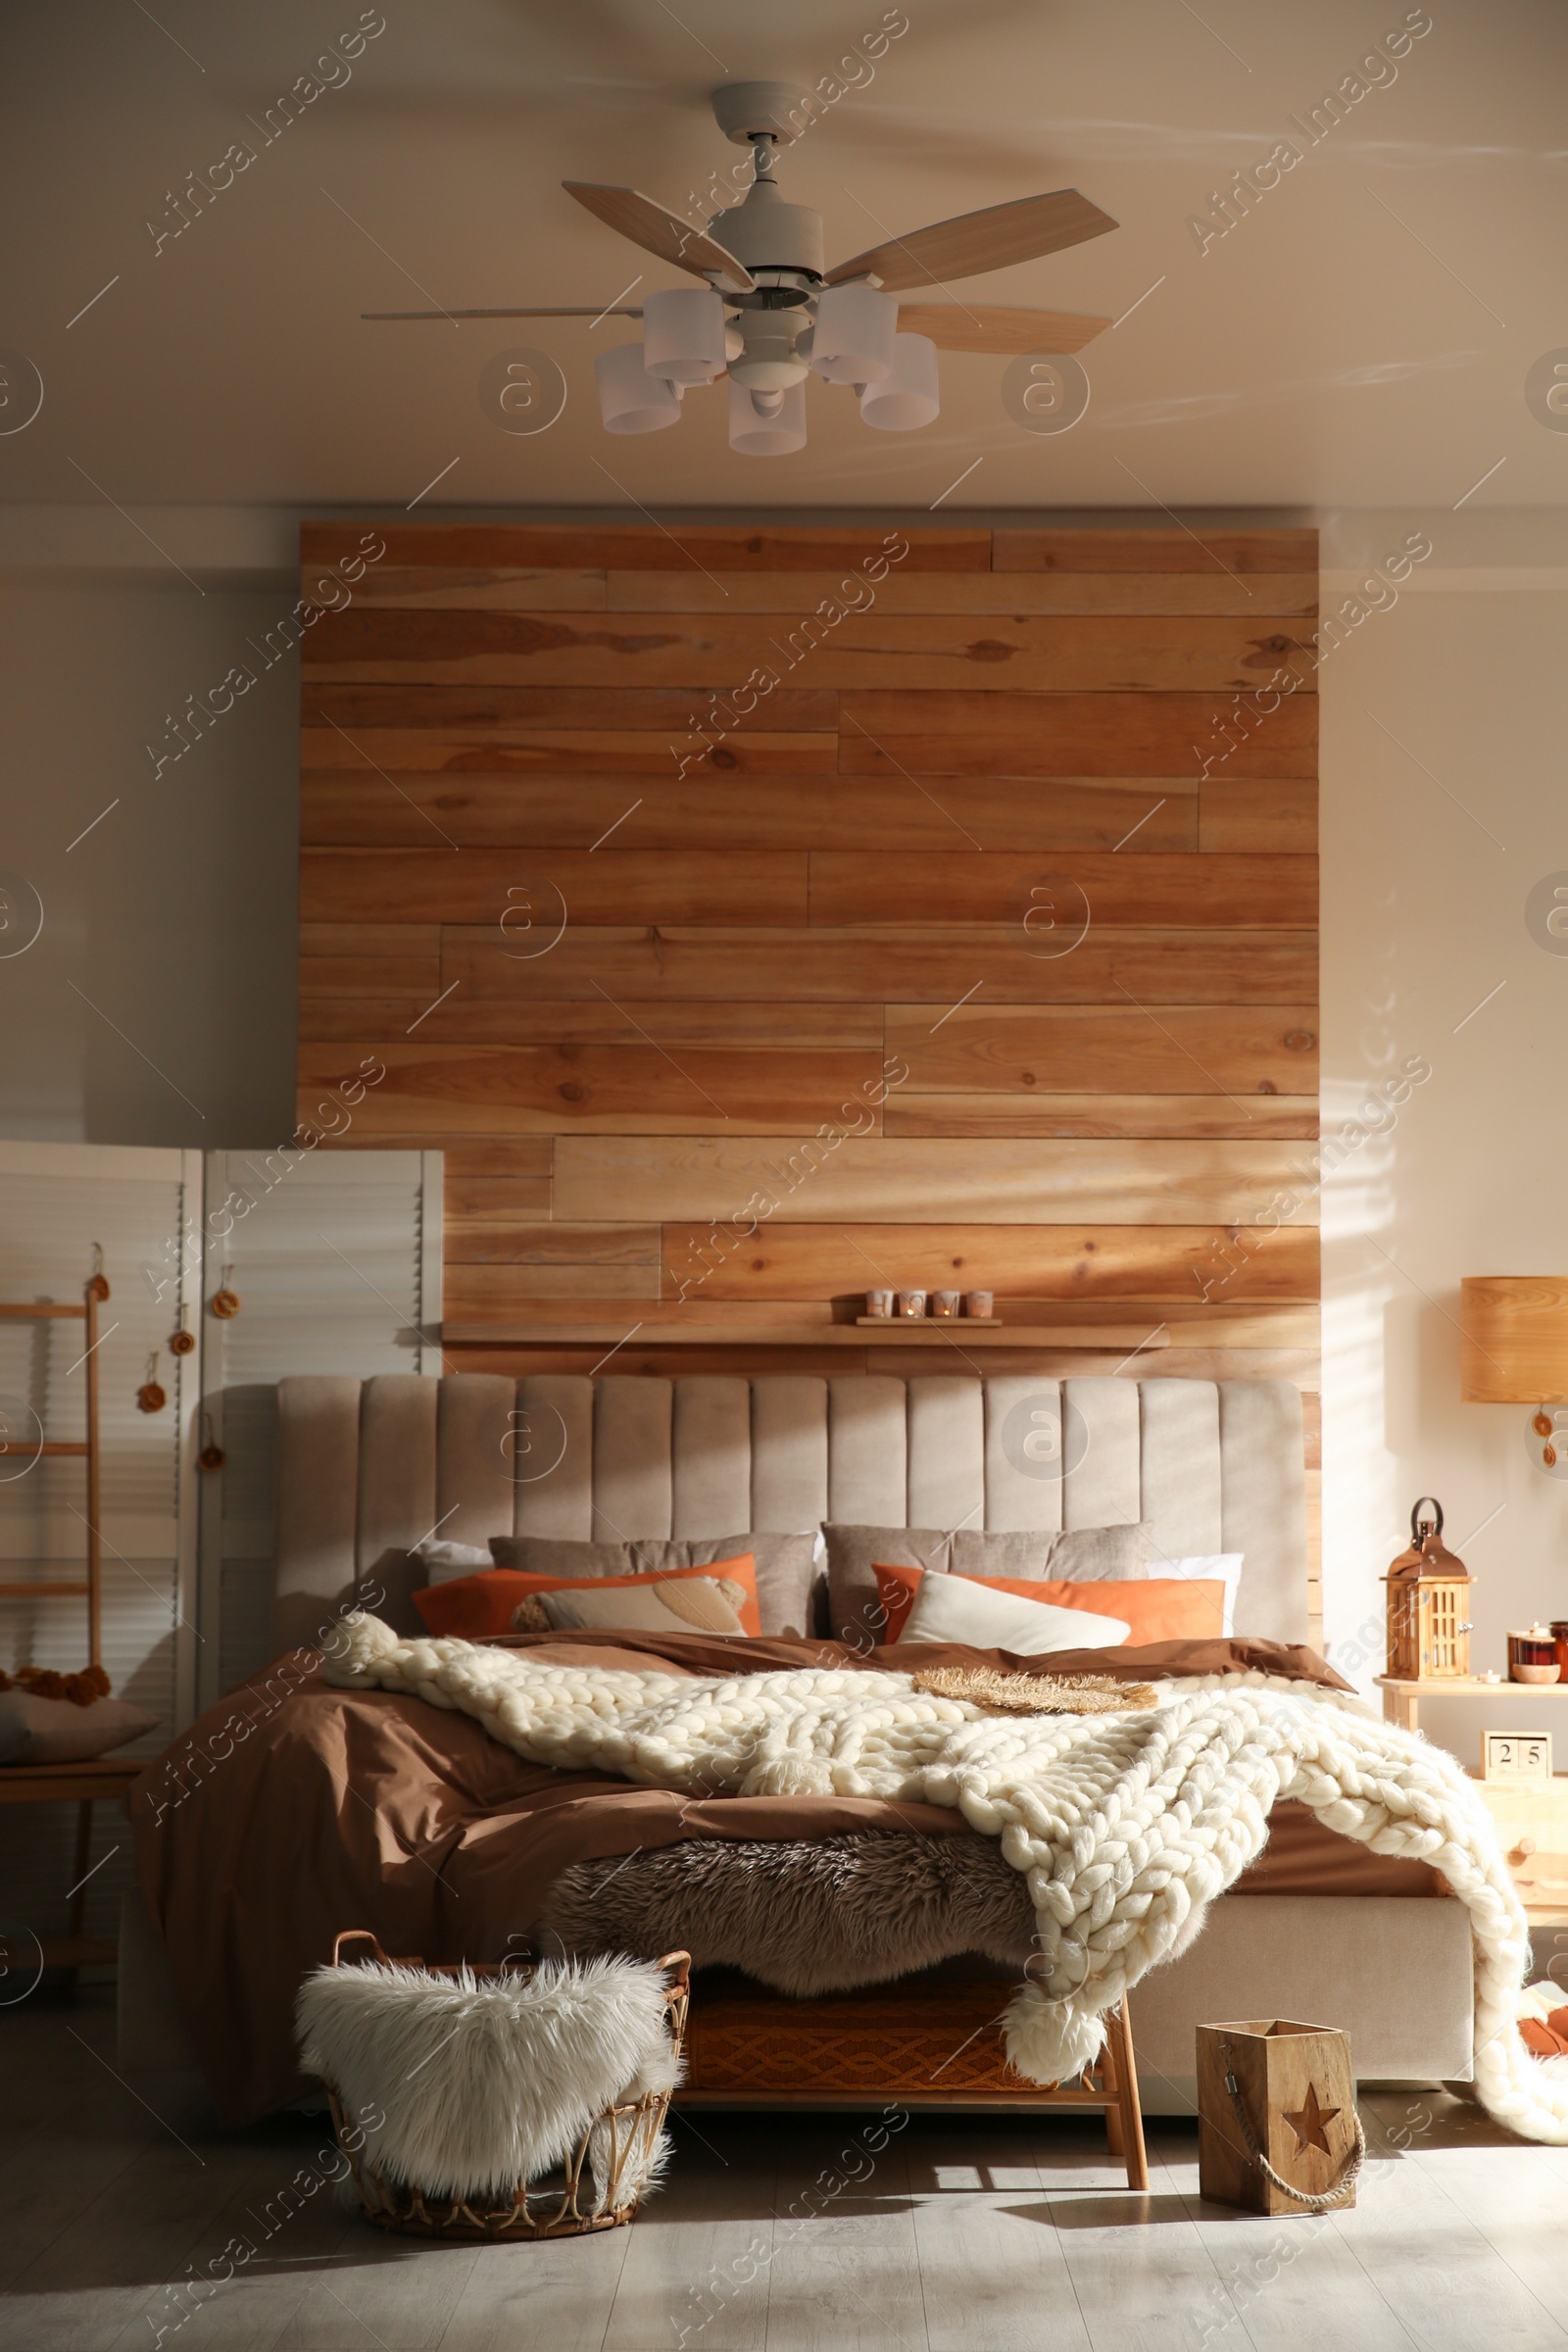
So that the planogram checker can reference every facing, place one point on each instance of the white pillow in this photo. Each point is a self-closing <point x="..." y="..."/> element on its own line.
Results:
<point x="442" y="1562"/>
<point x="959" y="1609"/>
<point x="1216" y="1566"/>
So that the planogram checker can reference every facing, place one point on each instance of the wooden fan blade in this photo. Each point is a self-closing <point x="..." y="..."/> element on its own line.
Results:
<point x="656" y="230"/>
<point x="973" y="242"/>
<point x="984" y="327"/>
<point x="582" y="310"/>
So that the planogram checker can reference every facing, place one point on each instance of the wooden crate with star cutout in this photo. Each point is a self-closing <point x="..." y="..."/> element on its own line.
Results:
<point x="1295" y="2090"/>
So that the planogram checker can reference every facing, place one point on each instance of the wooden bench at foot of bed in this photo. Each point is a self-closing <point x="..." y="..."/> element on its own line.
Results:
<point x="916" y="2045"/>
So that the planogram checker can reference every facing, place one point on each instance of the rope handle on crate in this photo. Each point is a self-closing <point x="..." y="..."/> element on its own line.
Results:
<point x="1328" y="2197"/>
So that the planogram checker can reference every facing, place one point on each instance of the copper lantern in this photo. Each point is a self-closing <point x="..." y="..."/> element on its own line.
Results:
<point x="1428" y="1605"/>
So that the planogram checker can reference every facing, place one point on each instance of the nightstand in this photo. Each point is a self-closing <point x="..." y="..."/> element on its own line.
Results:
<point x="1533" y="1832"/>
<point x="1402" y="1700"/>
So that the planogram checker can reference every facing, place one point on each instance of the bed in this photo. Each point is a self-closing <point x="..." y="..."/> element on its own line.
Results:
<point x="366" y="1800"/>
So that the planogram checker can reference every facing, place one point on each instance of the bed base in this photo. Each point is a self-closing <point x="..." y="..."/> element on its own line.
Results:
<point x="921" y="2046"/>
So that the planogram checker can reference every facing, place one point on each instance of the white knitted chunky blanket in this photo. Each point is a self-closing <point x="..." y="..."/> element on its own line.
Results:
<point x="1125" y="1826"/>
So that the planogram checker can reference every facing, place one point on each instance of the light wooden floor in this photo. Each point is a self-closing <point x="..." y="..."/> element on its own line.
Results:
<point x="989" y="2235"/>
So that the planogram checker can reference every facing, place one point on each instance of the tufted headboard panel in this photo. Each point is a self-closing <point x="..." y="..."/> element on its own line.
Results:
<point x="365" y="1467"/>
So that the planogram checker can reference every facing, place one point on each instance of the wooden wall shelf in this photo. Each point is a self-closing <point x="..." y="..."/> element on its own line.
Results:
<point x="928" y="1332"/>
<point x="663" y="1329"/>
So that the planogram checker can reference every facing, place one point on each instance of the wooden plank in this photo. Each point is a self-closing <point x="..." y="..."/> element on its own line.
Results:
<point x="1239" y="815"/>
<point x="520" y="1164"/>
<point x="588" y="1289"/>
<point x="1187" y="1049"/>
<point x="1050" y="1362"/>
<point x="1313" y="1430"/>
<point x="486" y="1200"/>
<point x="622" y="708"/>
<point x="517" y="1157"/>
<point x="931" y="964"/>
<point x="364" y="809"/>
<point x="1274" y="1118"/>
<point x="858" y="885"/>
<point x="369" y="940"/>
<point x="479" y="1231"/>
<point x="592" y="1090"/>
<point x="414" y="979"/>
<point x="1286" y="595"/>
<point x="534" y="894"/>
<point x="501" y="588"/>
<point x="506" y="750"/>
<point x="836" y="646"/>
<point x="952" y="734"/>
<point x="696" y="1323"/>
<point x="1073" y="1262"/>
<point x="649" y="547"/>
<point x="610" y="1180"/>
<point x="465" y="1019"/>
<point x="663" y="1359"/>
<point x="1161" y="549"/>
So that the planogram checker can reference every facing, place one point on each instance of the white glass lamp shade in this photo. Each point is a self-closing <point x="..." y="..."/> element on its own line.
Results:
<point x="683" y="335"/>
<point x="907" y="396"/>
<point x="853" y="340"/>
<point x="630" y="400"/>
<point x="766" y="424"/>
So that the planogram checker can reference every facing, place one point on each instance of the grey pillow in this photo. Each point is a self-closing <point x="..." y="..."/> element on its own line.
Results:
<point x="1094" y="1555"/>
<point x="55" y="1731"/>
<point x="786" y="1571"/>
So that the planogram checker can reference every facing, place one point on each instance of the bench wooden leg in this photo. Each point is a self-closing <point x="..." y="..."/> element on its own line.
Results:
<point x="78" y="1877"/>
<point x="1124" y="2122"/>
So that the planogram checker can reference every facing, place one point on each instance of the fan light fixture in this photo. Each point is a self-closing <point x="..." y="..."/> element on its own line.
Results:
<point x="906" y="396"/>
<point x="630" y="400"/>
<point x="766" y="424"/>
<point x="683" y="335"/>
<point x="770" y="311"/>
<point x="851" y="342"/>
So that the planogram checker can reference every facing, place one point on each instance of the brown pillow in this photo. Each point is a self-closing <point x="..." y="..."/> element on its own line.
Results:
<point x="1088" y="1553"/>
<point x="52" y="1730"/>
<point x="786" y="1573"/>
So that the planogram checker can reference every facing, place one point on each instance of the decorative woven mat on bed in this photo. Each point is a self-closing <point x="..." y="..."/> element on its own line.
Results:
<point x="1035" y="1693"/>
<point x="904" y="2042"/>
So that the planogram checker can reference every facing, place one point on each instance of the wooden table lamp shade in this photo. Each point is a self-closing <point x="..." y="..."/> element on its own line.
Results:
<point x="1515" y="1339"/>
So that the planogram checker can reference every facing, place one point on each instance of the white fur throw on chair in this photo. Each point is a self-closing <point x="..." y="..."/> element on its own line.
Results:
<point x="485" y="2084"/>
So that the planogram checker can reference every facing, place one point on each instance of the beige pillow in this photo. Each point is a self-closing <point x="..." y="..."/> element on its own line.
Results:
<point x="786" y="1575"/>
<point x="694" y="1604"/>
<point x="956" y="1608"/>
<point x="55" y="1731"/>
<point x="1082" y="1554"/>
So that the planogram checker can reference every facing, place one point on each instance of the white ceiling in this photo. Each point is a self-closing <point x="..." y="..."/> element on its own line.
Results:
<point x="1326" y="353"/>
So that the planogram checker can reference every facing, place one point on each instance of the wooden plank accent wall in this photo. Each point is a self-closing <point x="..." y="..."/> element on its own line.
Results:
<point x="626" y="931"/>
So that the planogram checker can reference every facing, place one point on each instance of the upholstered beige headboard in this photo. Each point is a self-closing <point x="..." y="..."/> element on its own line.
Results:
<point x="366" y="1467"/>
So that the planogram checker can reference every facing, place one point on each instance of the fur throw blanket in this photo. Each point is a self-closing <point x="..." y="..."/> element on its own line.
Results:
<point x="804" y="1917"/>
<point x="1125" y="1826"/>
<point x="524" y="2068"/>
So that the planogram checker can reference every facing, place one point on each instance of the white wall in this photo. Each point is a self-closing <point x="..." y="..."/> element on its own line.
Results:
<point x="176" y="916"/>
<point x="1423" y="917"/>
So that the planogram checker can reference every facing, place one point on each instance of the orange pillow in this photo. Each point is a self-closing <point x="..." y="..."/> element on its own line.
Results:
<point x="1156" y="1608"/>
<point x="472" y="1607"/>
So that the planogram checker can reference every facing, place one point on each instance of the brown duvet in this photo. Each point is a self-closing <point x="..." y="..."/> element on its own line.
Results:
<point x="292" y="1810"/>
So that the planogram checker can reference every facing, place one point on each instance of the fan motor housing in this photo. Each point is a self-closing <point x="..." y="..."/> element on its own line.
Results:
<point x="763" y="110"/>
<point x="767" y="233"/>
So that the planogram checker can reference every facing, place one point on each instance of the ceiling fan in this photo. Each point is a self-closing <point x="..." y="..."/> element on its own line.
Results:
<point x="770" y="312"/>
